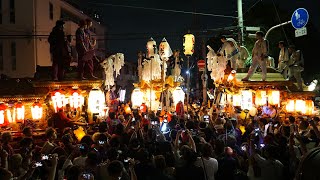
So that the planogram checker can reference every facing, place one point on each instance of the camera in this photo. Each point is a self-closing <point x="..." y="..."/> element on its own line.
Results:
<point x="81" y="146"/>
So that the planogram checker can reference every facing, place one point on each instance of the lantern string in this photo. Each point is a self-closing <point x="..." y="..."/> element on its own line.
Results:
<point x="165" y="10"/>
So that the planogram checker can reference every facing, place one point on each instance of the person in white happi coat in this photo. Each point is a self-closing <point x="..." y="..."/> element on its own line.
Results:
<point x="243" y="56"/>
<point x="296" y="63"/>
<point x="259" y="57"/>
<point x="283" y="60"/>
<point x="230" y="50"/>
<point x="166" y="99"/>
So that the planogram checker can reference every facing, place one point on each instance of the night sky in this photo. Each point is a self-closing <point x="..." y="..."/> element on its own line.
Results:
<point x="129" y="28"/>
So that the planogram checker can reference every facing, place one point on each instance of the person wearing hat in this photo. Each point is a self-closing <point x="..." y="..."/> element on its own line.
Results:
<point x="57" y="50"/>
<point x="296" y="64"/>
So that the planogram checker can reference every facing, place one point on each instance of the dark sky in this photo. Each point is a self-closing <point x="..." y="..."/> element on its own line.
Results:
<point x="129" y="29"/>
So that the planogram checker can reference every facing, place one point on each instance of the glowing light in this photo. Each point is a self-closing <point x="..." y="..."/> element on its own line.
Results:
<point x="96" y="101"/>
<point x="313" y="85"/>
<point x="188" y="44"/>
<point x="136" y="98"/>
<point x="178" y="95"/>
<point x="290" y="107"/>
<point x="19" y="111"/>
<point x="274" y="97"/>
<point x="79" y="133"/>
<point x="76" y="100"/>
<point x="236" y="100"/>
<point x="246" y="99"/>
<point x="36" y="111"/>
<point x="58" y="100"/>
<point x="300" y="106"/>
<point x="309" y="107"/>
<point x="231" y="76"/>
<point x="261" y="98"/>
<point x="3" y="108"/>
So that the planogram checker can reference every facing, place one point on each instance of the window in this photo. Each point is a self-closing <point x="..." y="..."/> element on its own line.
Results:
<point x="13" y="56"/>
<point x="1" y="56"/>
<point x="50" y="10"/>
<point x="12" y="12"/>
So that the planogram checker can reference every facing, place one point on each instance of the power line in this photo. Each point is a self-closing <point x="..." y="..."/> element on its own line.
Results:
<point x="252" y="6"/>
<point x="285" y="35"/>
<point x="164" y="10"/>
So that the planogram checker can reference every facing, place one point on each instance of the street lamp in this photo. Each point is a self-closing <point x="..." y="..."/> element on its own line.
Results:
<point x="188" y="50"/>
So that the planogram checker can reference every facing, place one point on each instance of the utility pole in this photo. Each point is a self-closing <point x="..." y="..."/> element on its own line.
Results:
<point x="240" y="21"/>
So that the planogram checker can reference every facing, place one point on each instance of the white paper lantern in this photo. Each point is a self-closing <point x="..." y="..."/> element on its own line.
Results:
<point x="236" y="100"/>
<point x="246" y="99"/>
<point x="96" y="101"/>
<point x="300" y="106"/>
<point x="274" y="97"/>
<point x="36" y="111"/>
<point x="290" y="106"/>
<point x="188" y="44"/>
<point x="58" y="100"/>
<point x="151" y="48"/>
<point x="137" y="98"/>
<point x="164" y="49"/>
<point x="178" y="95"/>
<point x="261" y="98"/>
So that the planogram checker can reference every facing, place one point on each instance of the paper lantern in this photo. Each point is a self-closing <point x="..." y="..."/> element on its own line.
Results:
<point x="290" y="107"/>
<point x="178" y="95"/>
<point x="246" y="99"/>
<point x="3" y="108"/>
<point x="300" y="106"/>
<point x="58" y="100"/>
<point x="150" y="96"/>
<point x="151" y="48"/>
<point x="313" y="85"/>
<point x="188" y="44"/>
<point x="36" y="111"/>
<point x="76" y="100"/>
<point x="79" y="133"/>
<point x="96" y="101"/>
<point x="136" y="97"/>
<point x="19" y="112"/>
<point x="274" y="97"/>
<point x="309" y="107"/>
<point x="261" y="98"/>
<point x="232" y="76"/>
<point x="164" y="49"/>
<point x="236" y="100"/>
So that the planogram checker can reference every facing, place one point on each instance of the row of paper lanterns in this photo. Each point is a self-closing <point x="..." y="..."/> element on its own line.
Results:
<point x="17" y="112"/>
<point x="138" y="97"/>
<point x="96" y="101"/>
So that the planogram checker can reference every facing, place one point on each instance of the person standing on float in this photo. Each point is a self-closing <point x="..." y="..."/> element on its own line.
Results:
<point x="259" y="57"/>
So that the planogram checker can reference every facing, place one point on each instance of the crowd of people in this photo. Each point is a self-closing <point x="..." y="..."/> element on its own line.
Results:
<point x="202" y="145"/>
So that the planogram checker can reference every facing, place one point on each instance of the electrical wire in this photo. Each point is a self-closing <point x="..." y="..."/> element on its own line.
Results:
<point x="252" y="6"/>
<point x="164" y="10"/>
<point x="285" y="35"/>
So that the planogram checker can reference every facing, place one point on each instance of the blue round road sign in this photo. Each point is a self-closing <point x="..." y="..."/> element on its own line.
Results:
<point x="300" y="18"/>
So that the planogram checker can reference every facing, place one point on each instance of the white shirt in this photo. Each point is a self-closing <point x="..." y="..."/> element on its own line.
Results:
<point x="283" y="55"/>
<point x="211" y="166"/>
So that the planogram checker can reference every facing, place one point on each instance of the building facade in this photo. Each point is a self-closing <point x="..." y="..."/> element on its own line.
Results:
<point x="24" y="29"/>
